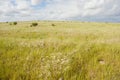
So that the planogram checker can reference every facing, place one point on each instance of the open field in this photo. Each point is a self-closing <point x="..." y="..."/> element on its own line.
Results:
<point x="65" y="51"/>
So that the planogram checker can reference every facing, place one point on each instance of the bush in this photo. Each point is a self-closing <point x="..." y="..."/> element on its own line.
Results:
<point x="10" y="23"/>
<point x="14" y="23"/>
<point x="34" y="24"/>
<point x="53" y="24"/>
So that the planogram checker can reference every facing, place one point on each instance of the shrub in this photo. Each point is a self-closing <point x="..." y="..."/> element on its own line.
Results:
<point x="14" y="23"/>
<point x="34" y="24"/>
<point x="53" y="24"/>
<point x="10" y="23"/>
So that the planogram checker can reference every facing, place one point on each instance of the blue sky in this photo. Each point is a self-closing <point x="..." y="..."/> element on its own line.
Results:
<point x="83" y="10"/>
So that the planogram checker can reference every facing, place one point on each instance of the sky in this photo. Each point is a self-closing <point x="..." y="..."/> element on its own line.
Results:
<point x="83" y="10"/>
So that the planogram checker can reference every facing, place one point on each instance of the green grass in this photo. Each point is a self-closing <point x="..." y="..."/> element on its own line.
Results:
<point x="66" y="51"/>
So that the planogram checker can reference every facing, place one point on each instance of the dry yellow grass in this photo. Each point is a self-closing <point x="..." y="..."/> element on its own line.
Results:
<point x="66" y="51"/>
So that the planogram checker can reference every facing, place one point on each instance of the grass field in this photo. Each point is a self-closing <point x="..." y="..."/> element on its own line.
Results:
<point x="65" y="51"/>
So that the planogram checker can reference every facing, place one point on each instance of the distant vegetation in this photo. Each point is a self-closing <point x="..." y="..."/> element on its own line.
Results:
<point x="13" y="23"/>
<point x="34" y="24"/>
<point x="10" y="23"/>
<point x="53" y="25"/>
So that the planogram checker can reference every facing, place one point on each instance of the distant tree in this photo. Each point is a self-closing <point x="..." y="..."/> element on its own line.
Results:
<point x="53" y="24"/>
<point x="34" y="24"/>
<point x="14" y="23"/>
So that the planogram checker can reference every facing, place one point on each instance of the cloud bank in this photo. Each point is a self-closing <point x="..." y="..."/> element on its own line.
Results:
<point x="86" y="10"/>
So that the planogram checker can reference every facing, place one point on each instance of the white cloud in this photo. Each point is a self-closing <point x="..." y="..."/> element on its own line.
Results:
<point x="35" y="2"/>
<point x="22" y="4"/>
<point x="59" y="9"/>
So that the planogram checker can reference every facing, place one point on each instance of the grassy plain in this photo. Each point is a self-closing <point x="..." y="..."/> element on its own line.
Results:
<point x="65" y="51"/>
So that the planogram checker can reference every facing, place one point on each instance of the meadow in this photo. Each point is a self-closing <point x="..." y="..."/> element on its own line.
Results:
<point x="60" y="50"/>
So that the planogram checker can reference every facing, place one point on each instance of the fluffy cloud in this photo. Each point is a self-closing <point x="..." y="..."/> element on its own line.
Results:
<point x="93" y="10"/>
<point x="22" y="4"/>
<point x="35" y="2"/>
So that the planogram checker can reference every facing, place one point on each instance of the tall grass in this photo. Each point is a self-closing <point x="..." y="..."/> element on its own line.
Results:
<point x="67" y="51"/>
